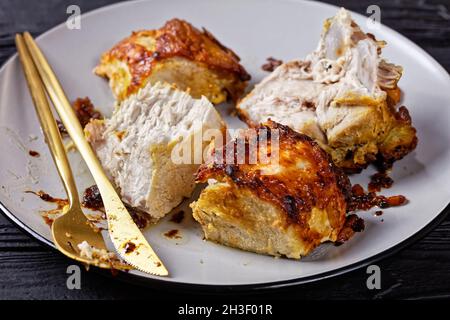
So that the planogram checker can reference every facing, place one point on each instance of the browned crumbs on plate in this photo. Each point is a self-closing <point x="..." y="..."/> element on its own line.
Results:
<point x="48" y="198"/>
<point x="360" y="200"/>
<point x="141" y="219"/>
<point x="378" y="213"/>
<point x="60" y="204"/>
<point x="34" y="154"/>
<point x="92" y="198"/>
<point x="380" y="180"/>
<point x="172" y="234"/>
<point x="352" y="224"/>
<point x="48" y="221"/>
<point x="271" y="64"/>
<point x="84" y="110"/>
<point x="177" y="217"/>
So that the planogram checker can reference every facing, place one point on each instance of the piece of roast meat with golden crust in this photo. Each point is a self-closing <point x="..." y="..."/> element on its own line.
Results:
<point x="343" y="94"/>
<point x="137" y="146"/>
<point x="179" y="54"/>
<point x="284" y="208"/>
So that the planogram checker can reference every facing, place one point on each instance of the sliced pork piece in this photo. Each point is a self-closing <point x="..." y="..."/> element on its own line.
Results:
<point x="286" y="208"/>
<point x="136" y="146"/>
<point x="344" y="95"/>
<point x="177" y="54"/>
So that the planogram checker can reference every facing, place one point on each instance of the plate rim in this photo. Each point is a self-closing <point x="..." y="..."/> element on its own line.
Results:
<point x="224" y="288"/>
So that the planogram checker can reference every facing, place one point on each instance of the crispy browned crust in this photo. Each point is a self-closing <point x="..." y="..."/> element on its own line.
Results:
<point x="177" y="38"/>
<point x="294" y="190"/>
<point x="352" y="224"/>
<point x="399" y="140"/>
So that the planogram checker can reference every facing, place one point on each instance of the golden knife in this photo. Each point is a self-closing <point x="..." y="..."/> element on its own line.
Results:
<point x="125" y="235"/>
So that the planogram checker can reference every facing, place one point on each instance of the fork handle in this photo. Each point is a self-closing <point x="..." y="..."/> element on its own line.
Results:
<point x="48" y="123"/>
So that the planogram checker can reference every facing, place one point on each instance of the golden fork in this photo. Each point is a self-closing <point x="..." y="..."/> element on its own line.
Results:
<point x="128" y="240"/>
<point x="73" y="227"/>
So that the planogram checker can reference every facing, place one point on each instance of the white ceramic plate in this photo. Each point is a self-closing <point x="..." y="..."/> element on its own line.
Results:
<point x="255" y="29"/>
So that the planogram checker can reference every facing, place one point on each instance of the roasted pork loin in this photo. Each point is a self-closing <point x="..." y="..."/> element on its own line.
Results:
<point x="284" y="208"/>
<point x="178" y="54"/>
<point x="344" y="95"/>
<point x="136" y="146"/>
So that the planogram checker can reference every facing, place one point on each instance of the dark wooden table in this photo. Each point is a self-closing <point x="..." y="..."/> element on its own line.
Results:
<point x="421" y="271"/>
